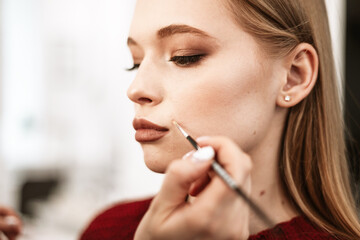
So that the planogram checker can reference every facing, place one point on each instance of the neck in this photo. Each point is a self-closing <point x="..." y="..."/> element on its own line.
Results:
<point x="267" y="189"/>
<point x="269" y="194"/>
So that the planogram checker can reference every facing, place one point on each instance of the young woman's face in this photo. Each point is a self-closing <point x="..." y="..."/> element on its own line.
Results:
<point x="199" y="68"/>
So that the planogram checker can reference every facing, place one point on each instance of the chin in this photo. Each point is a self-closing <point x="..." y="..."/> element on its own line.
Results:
<point x="157" y="160"/>
<point x="155" y="166"/>
<point x="156" y="163"/>
<point x="158" y="155"/>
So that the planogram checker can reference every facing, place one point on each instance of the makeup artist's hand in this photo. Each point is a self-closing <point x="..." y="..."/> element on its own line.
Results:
<point x="216" y="212"/>
<point x="10" y="223"/>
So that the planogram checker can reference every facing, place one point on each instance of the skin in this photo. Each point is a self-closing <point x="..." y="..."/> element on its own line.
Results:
<point x="234" y="90"/>
<point x="10" y="223"/>
<point x="234" y="82"/>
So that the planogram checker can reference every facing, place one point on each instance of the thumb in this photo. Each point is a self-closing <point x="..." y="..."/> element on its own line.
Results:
<point x="181" y="174"/>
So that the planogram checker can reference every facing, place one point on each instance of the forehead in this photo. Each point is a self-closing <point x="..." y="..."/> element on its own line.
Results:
<point x="210" y="16"/>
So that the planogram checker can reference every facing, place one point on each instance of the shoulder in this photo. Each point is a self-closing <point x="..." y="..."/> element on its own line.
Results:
<point x="295" y="229"/>
<point x="117" y="222"/>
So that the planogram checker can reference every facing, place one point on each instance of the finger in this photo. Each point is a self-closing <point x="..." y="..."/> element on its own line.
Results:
<point x="4" y="211"/>
<point x="229" y="155"/>
<point x="199" y="185"/>
<point x="217" y="200"/>
<point x="11" y="237"/>
<point x="235" y="162"/>
<point x="10" y="225"/>
<point x="180" y="175"/>
<point x="9" y="218"/>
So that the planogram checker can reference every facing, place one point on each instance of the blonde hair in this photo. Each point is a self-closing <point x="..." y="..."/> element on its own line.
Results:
<point x="313" y="164"/>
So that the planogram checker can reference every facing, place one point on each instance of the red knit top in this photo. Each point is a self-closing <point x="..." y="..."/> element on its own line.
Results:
<point x="120" y="222"/>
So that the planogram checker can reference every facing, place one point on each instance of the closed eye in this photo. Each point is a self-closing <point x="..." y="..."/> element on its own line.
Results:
<point x="184" y="61"/>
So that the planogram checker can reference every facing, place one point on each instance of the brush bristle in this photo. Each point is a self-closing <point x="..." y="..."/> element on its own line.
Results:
<point x="180" y="128"/>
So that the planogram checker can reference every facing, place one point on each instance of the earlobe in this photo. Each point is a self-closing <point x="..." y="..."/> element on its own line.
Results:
<point x="302" y="71"/>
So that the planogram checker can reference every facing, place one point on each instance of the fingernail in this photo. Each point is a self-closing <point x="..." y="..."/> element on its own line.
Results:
<point x="187" y="155"/>
<point x="11" y="220"/>
<point x="203" y="154"/>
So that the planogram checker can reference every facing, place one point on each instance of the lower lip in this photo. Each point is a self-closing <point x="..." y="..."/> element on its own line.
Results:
<point x="149" y="135"/>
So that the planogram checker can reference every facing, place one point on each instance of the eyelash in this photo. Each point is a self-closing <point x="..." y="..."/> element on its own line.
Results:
<point x="182" y="61"/>
<point x="135" y="67"/>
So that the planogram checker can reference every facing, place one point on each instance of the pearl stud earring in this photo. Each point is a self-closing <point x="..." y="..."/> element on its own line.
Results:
<point x="287" y="98"/>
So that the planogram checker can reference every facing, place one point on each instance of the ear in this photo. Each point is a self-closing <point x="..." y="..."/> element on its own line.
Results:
<point x="302" y="66"/>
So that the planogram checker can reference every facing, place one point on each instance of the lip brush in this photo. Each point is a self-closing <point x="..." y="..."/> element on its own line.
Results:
<point x="221" y="172"/>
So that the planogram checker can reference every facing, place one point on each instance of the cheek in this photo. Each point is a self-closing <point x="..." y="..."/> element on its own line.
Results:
<point x="233" y="104"/>
<point x="205" y="106"/>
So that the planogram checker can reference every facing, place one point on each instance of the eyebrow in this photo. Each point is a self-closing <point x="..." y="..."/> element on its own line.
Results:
<point x="180" y="29"/>
<point x="174" y="29"/>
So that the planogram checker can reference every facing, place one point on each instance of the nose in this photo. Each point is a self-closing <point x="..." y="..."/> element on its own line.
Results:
<point x="146" y="88"/>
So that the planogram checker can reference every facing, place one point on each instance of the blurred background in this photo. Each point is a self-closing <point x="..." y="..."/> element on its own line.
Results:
<point x="67" y="147"/>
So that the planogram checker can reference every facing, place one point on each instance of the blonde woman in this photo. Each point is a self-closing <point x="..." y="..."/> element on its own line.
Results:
<point x="257" y="79"/>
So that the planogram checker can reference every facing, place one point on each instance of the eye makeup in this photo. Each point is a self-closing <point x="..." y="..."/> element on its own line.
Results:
<point x="183" y="50"/>
<point x="184" y="61"/>
<point x="179" y="60"/>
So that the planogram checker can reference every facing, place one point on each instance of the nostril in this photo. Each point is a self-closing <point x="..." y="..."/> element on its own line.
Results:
<point x="144" y="100"/>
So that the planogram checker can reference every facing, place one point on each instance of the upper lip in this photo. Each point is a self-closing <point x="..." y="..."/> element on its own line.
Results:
<point x="140" y="123"/>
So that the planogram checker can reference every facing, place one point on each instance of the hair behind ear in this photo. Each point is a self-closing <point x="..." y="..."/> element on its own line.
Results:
<point x="313" y="163"/>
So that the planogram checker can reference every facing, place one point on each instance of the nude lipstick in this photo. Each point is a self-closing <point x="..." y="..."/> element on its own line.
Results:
<point x="147" y="131"/>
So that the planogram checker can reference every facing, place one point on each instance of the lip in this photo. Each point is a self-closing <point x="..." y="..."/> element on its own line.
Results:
<point x="147" y="131"/>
